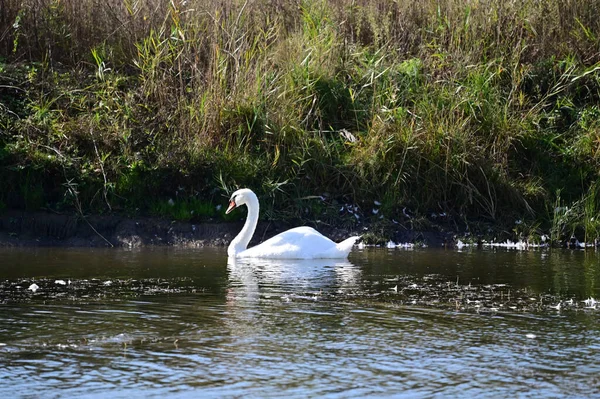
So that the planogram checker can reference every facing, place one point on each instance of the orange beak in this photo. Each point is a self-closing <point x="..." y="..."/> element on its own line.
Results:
<point x="231" y="207"/>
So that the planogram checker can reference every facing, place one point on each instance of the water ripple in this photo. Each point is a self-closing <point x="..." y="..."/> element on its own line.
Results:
<point x="269" y="329"/>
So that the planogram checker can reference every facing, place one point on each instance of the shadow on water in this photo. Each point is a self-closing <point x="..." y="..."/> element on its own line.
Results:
<point x="399" y="323"/>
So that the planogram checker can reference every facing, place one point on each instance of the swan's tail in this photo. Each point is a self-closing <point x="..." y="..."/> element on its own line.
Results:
<point x="346" y="246"/>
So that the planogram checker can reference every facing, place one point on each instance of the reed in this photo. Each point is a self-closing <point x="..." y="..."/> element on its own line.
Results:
<point x="434" y="107"/>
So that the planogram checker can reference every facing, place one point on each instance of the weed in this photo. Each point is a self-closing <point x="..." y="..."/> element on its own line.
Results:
<point x="430" y="106"/>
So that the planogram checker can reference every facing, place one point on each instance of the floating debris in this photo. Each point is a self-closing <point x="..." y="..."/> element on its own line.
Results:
<point x="60" y="282"/>
<point x="12" y="291"/>
<point x="430" y="290"/>
<point x="521" y="245"/>
<point x="407" y="245"/>
<point x="461" y="245"/>
<point x="438" y="291"/>
<point x="590" y="303"/>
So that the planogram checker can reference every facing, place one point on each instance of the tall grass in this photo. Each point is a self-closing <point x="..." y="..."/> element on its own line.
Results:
<point x="478" y="109"/>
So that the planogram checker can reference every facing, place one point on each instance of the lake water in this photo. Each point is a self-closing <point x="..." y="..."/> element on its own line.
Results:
<point x="167" y="322"/>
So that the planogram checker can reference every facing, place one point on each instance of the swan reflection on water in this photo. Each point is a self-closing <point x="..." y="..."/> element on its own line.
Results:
<point x="253" y="278"/>
<point x="266" y="298"/>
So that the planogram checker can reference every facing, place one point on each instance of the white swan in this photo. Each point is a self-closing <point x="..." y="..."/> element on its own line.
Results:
<point x="297" y="243"/>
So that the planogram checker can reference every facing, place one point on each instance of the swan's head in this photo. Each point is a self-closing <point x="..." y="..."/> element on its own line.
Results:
<point x="240" y="197"/>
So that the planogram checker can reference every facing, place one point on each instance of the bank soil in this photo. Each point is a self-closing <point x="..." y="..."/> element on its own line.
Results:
<point x="68" y="230"/>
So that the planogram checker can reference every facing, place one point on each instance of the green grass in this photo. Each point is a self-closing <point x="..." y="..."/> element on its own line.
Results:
<point x="433" y="107"/>
<point x="187" y="209"/>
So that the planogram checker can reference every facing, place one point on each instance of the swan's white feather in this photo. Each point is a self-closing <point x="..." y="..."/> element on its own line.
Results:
<point x="299" y="243"/>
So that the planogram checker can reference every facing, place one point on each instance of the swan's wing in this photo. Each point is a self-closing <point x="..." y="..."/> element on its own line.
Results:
<point x="298" y="243"/>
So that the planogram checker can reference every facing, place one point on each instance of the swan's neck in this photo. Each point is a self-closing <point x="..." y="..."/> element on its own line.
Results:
<point x="240" y="242"/>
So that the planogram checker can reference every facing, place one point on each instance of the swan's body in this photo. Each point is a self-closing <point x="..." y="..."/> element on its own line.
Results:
<point x="297" y="243"/>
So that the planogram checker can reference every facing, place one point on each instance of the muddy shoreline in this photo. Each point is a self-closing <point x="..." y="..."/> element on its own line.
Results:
<point x="44" y="229"/>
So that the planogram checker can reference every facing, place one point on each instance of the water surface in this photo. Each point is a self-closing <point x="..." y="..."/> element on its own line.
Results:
<point x="386" y="323"/>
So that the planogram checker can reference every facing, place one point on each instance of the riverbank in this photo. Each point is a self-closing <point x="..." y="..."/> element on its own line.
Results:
<point x="68" y="230"/>
<point x="43" y="229"/>
<point x="391" y="114"/>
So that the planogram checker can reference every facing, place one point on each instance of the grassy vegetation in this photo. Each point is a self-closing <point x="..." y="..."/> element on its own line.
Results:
<point x="485" y="112"/>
